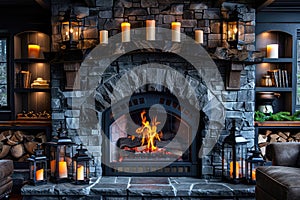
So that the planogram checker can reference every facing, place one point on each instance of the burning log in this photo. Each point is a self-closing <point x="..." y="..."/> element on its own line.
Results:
<point x="128" y="142"/>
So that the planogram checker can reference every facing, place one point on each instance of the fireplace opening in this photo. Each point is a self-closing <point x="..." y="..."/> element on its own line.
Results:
<point x="157" y="136"/>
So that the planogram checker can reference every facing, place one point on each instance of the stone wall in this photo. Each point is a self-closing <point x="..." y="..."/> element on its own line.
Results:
<point x="109" y="14"/>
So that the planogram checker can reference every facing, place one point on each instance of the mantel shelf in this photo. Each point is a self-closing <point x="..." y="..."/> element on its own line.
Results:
<point x="277" y="123"/>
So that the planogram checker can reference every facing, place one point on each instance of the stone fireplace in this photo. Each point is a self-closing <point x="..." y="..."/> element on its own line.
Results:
<point x="176" y="92"/>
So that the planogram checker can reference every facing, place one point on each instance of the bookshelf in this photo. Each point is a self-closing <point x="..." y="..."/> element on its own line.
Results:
<point x="31" y="75"/>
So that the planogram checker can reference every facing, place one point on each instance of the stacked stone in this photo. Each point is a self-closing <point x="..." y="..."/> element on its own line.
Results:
<point x="108" y="15"/>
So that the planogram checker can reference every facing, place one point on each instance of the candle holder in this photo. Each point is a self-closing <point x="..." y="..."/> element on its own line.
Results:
<point x="234" y="152"/>
<point x="38" y="167"/>
<point x="253" y="161"/>
<point x="81" y="169"/>
<point x="61" y="152"/>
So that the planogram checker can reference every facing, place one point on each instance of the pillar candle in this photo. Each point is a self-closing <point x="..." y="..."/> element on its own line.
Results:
<point x="150" y="29"/>
<point x="33" y="51"/>
<point x="272" y="51"/>
<point x="39" y="175"/>
<point x="80" y="172"/>
<point x="253" y="175"/>
<point x="199" y="36"/>
<point x="237" y="169"/>
<point x="62" y="169"/>
<point x="103" y="37"/>
<point x="52" y="166"/>
<point x="176" y="31"/>
<point x="125" y="27"/>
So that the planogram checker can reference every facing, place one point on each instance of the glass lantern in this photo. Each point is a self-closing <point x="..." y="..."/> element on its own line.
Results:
<point x="231" y="28"/>
<point x="253" y="161"/>
<point x="81" y="169"/>
<point x="38" y="167"/>
<point x="61" y="153"/>
<point x="234" y="153"/>
<point x="70" y="30"/>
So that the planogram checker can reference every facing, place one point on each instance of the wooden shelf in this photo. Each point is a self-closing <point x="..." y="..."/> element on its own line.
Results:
<point x="26" y="123"/>
<point x="25" y="90"/>
<point x="30" y="60"/>
<point x="277" y="123"/>
<point x="274" y="89"/>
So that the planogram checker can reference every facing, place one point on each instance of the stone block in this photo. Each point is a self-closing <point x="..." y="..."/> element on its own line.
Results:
<point x="246" y="95"/>
<point x="135" y="11"/>
<point x="72" y="123"/>
<point x="188" y="23"/>
<point x="211" y="14"/>
<point x="136" y="5"/>
<point x="154" y="11"/>
<point x="250" y="37"/>
<point x="198" y="6"/>
<point x="113" y="23"/>
<point x="81" y="11"/>
<point x="149" y="3"/>
<point x="55" y="104"/>
<point x="234" y="114"/>
<point x="58" y="116"/>
<point x="105" y="14"/>
<point x="105" y="4"/>
<point x="123" y="3"/>
<point x="215" y="27"/>
<point x="198" y="15"/>
<point x="250" y="106"/>
<point x="72" y="113"/>
<point x="119" y="11"/>
<point x="176" y="9"/>
<point x="214" y="36"/>
<point x="167" y="19"/>
<point x="188" y="14"/>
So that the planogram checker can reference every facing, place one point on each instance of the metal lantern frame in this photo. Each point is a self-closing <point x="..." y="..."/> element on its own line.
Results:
<point x="70" y="30"/>
<point x="81" y="166"/>
<point x="38" y="167"/>
<point x="61" y="153"/>
<point x="253" y="161"/>
<point x="234" y="154"/>
<point x="231" y="28"/>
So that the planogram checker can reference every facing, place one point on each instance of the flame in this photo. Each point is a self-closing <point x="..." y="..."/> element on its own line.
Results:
<point x="148" y="131"/>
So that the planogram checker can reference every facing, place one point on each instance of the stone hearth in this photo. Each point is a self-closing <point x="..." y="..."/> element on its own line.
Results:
<point x="134" y="188"/>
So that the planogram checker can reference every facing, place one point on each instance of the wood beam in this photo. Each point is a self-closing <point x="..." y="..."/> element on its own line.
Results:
<point x="43" y="3"/>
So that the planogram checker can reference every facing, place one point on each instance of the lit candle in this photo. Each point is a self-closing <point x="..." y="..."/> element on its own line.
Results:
<point x="176" y="31"/>
<point x="150" y="29"/>
<point x="39" y="175"/>
<point x="253" y="175"/>
<point x="52" y="166"/>
<point x="62" y="169"/>
<point x="272" y="51"/>
<point x="33" y="51"/>
<point x="103" y="37"/>
<point x="237" y="169"/>
<point x="125" y="27"/>
<point x="80" y="172"/>
<point x="199" y="36"/>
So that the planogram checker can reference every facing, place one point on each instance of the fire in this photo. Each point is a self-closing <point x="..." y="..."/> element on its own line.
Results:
<point x="148" y="131"/>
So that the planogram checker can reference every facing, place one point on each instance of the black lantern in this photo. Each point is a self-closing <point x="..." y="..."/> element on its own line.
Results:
<point x="61" y="152"/>
<point x="38" y="167"/>
<point x="234" y="152"/>
<point x="81" y="166"/>
<point x="253" y="161"/>
<point x="70" y="30"/>
<point x="231" y="28"/>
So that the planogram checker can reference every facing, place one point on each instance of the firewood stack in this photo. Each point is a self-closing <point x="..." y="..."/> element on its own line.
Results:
<point x="276" y="136"/>
<point x="18" y="145"/>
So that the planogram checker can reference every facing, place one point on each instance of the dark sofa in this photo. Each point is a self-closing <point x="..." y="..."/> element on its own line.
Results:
<point x="6" y="182"/>
<point x="281" y="180"/>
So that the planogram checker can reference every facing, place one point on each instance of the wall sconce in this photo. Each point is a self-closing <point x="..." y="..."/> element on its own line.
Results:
<point x="231" y="28"/>
<point x="70" y="30"/>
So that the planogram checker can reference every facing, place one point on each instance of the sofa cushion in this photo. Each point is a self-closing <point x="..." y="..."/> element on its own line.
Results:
<point x="298" y="161"/>
<point x="279" y="181"/>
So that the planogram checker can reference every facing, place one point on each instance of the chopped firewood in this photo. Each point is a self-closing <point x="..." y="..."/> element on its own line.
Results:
<point x="42" y="137"/>
<point x="263" y="151"/>
<point x="29" y="137"/>
<point x="5" y="135"/>
<point x="297" y="136"/>
<point x="268" y="132"/>
<point x="24" y="158"/>
<point x="17" y="137"/>
<point x="281" y="139"/>
<point x="11" y="142"/>
<point x="273" y="137"/>
<point x="282" y="135"/>
<point x="262" y="138"/>
<point x="263" y="144"/>
<point x="30" y="147"/>
<point x="4" y="150"/>
<point x="17" y="151"/>
<point x="141" y="148"/>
